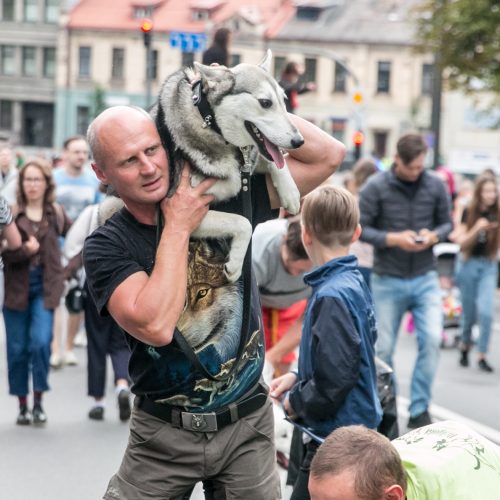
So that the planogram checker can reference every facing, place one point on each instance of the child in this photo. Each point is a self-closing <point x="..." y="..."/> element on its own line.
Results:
<point x="336" y="383"/>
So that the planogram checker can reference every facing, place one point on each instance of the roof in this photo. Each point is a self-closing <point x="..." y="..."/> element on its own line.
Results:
<point x="177" y="15"/>
<point x="353" y="21"/>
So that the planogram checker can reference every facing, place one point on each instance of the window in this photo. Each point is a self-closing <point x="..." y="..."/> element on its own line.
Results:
<point x="187" y="59"/>
<point x="6" y="115"/>
<point x="427" y="78"/>
<point x="340" y="78"/>
<point x="49" y="62"/>
<point x="84" y="54"/>
<point x="29" y="61"/>
<point x="380" y="143"/>
<point x="117" y="64"/>
<point x="8" y="10"/>
<point x="31" y="10"/>
<point x="338" y="128"/>
<point x="309" y="70"/>
<point x="51" y="11"/>
<point x="279" y="66"/>
<point x="142" y="12"/>
<point x="82" y="119"/>
<point x="384" y="77"/>
<point x="235" y="60"/>
<point x="7" y="60"/>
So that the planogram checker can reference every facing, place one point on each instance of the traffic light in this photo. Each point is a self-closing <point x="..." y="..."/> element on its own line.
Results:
<point x="147" y="28"/>
<point x="357" y="97"/>
<point x="357" y="139"/>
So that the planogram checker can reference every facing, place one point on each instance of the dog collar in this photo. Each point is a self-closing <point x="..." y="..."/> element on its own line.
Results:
<point x="201" y="102"/>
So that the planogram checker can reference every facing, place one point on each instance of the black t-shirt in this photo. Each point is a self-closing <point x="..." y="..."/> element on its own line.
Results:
<point x="211" y="322"/>
<point x="480" y="247"/>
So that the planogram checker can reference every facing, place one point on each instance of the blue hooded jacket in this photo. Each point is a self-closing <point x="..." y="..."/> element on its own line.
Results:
<point x="337" y="382"/>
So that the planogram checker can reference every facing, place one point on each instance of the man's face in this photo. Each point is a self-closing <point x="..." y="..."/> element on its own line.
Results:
<point x="410" y="172"/>
<point x="76" y="155"/>
<point x="292" y="266"/>
<point x="5" y="158"/>
<point x="136" y="164"/>
<point x="329" y="487"/>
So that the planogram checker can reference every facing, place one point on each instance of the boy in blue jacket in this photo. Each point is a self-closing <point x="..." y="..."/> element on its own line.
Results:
<point x="336" y="384"/>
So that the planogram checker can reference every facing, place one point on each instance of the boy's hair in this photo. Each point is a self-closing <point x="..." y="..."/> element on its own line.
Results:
<point x="331" y="215"/>
<point x="373" y="460"/>
<point x="293" y="239"/>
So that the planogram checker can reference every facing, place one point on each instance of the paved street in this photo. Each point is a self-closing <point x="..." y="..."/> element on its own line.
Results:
<point x="73" y="457"/>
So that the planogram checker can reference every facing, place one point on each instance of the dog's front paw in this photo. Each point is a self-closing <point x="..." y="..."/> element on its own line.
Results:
<point x="290" y="200"/>
<point x="232" y="272"/>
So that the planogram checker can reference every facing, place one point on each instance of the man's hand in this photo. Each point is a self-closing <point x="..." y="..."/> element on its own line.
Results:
<point x="32" y="246"/>
<point x="428" y="238"/>
<point x="185" y="210"/>
<point x="282" y="384"/>
<point x="404" y="240"/>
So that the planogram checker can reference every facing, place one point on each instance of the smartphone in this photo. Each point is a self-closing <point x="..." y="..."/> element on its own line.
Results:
<point x="419" y="239"/>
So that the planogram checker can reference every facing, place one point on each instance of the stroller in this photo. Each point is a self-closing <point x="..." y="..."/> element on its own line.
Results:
<point x="446" y="255"/>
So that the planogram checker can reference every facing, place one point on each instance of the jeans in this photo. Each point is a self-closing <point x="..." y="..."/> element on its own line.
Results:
<point x="29" y="334"/>
<point x="422" y="296"/>
<point x="477" y="279"/>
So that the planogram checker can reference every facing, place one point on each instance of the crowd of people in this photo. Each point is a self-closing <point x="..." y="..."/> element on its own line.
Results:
<point x="331" y="284"/>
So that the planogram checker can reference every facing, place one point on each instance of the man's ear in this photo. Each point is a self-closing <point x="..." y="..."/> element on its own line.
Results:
<point x="100" y="174"/>
<point x="356" y="234"/>
<point x="394" y="492"/>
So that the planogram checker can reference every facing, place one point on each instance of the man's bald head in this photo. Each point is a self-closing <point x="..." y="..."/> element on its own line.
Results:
<point x="115" y="116"/>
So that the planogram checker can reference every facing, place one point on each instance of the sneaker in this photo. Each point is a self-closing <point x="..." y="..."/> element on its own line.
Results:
<point x="419" y="420"/>
<point x="124" y="404"/>
<point x="24" y="417"/>
<point x="96" y="413"/>
<point x="80" y="339"/>
<point x="55" y="361"/>
<point x="70" y="359"/>
<point x="39" y="416"/>
<point x="485" y="366"/>
<point x="464" y="358"/>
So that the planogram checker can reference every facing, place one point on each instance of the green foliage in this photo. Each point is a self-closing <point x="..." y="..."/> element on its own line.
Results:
<point x="465" y="36"/>
<point x="98" y="100"/>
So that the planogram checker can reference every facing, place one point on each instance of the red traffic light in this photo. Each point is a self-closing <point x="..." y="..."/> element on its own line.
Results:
<point x="358" y="138"/>
<point x="146" y="25"/>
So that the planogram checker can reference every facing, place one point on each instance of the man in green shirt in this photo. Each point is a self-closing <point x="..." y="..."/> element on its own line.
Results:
<point x="442" y="461"/>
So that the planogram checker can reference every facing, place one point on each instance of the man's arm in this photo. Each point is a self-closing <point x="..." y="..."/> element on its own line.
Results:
<point x="442" y="215"/>
<point x="149" y="307"/>
<point x="311" y="164"/>
<point x="336" y="347"/>
<point x="369" y="207"/>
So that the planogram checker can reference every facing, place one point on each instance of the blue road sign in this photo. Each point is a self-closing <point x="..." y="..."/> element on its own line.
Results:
<point x="188" y="42"/>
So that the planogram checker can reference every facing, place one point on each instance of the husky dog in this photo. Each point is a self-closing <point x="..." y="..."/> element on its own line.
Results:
<point x="247" y="118"/>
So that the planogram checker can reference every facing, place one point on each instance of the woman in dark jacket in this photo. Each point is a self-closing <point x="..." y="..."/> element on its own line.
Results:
<point x="34" y="285"/>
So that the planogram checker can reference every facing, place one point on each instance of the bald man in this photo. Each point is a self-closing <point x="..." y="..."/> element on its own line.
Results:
<point x="185" y="427"/>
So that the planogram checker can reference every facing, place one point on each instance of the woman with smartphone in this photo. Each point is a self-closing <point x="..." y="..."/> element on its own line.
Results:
<point x="477" y="270"/>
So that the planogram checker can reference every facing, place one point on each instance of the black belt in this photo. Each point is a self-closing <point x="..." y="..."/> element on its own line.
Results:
<point x="206" y="422"/>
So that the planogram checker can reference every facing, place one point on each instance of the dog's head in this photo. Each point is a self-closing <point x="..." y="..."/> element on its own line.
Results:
<point x="249" y="108"/>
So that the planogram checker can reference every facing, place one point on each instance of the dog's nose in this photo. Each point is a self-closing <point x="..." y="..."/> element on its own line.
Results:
<point x="297" y="142"/>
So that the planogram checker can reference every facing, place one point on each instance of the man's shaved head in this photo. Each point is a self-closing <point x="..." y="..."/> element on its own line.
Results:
<point x="115" y="115"/>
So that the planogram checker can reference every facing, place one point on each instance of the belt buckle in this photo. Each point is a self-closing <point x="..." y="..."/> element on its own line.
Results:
<point x="199" y="422"/>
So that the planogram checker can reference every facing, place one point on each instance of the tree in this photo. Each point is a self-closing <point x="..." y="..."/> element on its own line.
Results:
<point x="465" y="36"/>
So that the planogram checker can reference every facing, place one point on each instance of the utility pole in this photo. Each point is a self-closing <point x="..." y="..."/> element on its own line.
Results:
<point x="147" y="28"/>
<point x="437" y="88"/>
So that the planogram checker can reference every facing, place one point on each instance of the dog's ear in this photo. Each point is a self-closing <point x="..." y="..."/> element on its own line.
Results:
<point x="217" y="80"/>
<point x="265" y="64"/>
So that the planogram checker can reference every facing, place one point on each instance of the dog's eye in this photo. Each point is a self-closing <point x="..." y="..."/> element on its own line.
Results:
<point x="265" y="103"/>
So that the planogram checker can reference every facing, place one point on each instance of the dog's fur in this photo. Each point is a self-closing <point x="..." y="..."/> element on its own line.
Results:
<point x="248" y="105"/>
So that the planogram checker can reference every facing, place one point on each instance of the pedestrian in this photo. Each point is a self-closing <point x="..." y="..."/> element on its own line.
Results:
<point x="404" y="212"/>
<point x="76" y="188"/>
<point x="11" y="239"/>
<point x="337" y="383"/>
<point x="104" y="336"/>
<point x="185" y="427"/>
<point x="477" y="268"/>
<point x="280" y="261"/>
<point x="9" y="173"/>
<point x="293" y="87"/>
<point x="34" y="285"/>
<point x="445" y="461"/>
<point x="361" y="171"/>
<point x="218" y="52"/>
